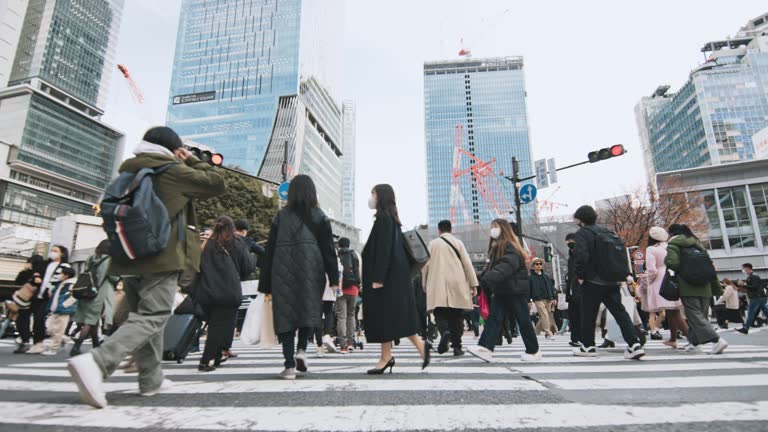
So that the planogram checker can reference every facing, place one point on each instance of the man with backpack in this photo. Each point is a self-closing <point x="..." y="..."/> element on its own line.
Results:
<point x="150" y="220"/>
<point x="600" y="264"/>
<point x="350" y="289"/>
<point x="758" y="298"/>
<point x="450" y="281"/>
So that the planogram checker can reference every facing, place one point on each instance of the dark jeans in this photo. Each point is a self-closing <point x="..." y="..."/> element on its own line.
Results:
<point x="40" y="313"/>
<point x="286" y="339"/>
<point x="755" y="306"/>
<point x="22" y="325"/>
<point x="450" y="322"/>
<point x="325" y="326"/>
<point x="231" y="337"/>
<point x="221" y="327"/>
<point x="574" y="316"/>
<point x="610" y="296"/>
<point x="516" y="307"/>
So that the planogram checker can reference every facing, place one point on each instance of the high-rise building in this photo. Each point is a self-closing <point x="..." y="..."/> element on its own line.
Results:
<point x="11" y="19"/>
<point x="474" y="108"/>
<point x="348" y="144"/>
<point x="58" y="156"/>
<point x="234" y="62"/>
<point x="711" y="120"/>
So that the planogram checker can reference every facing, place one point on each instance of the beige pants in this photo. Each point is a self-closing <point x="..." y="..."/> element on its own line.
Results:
<point x="57" y="326"/>
<point x="546" y="319"/>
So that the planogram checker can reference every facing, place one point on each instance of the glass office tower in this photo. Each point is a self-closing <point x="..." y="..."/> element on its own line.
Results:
<point x="483" y="100"/>
<point x="348" y="140"/>
<point x="235" y="59"/>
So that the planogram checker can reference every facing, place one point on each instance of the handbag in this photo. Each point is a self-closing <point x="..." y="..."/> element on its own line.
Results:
<point x="670" y="289"/>
<point x="86" y="288"/>
<point x="485" y="307"/>
<point x="251" y="332"/>
<point x="23" y="296"/>
<point x="562" y="304"/>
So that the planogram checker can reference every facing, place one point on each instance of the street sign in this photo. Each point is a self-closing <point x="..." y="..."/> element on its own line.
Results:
<point x="282" y="191"/>
<point x="638" y="255"/>
<point x="527" y="193"/>
<point x="552" y="171"/>
<point x="542" y="181"/>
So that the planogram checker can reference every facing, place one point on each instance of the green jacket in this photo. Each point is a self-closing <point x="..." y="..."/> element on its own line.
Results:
<point x="177" y="187"/>
<point x="673" y="263"/>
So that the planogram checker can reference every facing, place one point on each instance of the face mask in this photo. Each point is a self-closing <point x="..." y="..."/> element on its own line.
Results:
<point x="372" y="202"/>
<point x="743" y="271"/>
<point x="571" y="245"/>
<point x="495" y="233"/>
<point x="54" y="256"/>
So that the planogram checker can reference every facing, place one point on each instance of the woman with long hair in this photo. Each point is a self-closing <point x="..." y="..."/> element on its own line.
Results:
<point x="225" y="261"/>
<point x="505" y="283"/>
<point x="300" y="258"/>
<point x="655" y="271"/>
<point x="89" y="311"/>
<point x="389" y="301"/>
<point x="58" y="260"/>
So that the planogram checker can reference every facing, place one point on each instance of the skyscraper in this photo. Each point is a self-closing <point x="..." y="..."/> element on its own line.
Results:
<point x="475" y="121"/>
<point x="348" y="140"/>
<point x="11" y="19"/>
<point x="711" y="120"/>
<point x="234" y="61"/>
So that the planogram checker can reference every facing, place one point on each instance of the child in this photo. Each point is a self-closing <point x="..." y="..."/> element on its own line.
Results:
<point x="62" y="306"/>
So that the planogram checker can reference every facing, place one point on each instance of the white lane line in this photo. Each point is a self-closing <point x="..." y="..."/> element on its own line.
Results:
<point x="659" y="383"/>
<point x="300" y="386"/>
<point x="640" y="367"/>
<point x="379" y="418"/>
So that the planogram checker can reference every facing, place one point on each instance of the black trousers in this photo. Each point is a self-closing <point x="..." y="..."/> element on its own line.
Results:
<point x="23" y="322"/>
<point x="221" y="327"/>
<point x="325" y="326"/>
<point x="40" y="314"/>
<point x="574" y="316"/>
<point x="610" y="296"/>
<point x="450" y="321"/>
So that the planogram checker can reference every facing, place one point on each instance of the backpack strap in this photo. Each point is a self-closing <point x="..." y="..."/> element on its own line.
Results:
<point x="144" y="172"/>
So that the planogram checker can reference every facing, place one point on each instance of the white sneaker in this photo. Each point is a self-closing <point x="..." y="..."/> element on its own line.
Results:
<point x="585" y="352"/>
<point x="165" y="385"/>
<point x="288" y="374"/>
<point x="482" y="353"/>
<point x="328" y="344"/>
<point x="50" y="352"/>
<point x="635" y="352"/>
<point x="87" y="376"/>
<point x="693" y="349"/>
<point x="530" y="358"/>
<point x="37" y="348"/>
<point x="320" y="351"/>
<point x="719" y="347"/>
<point x="301" y="361"/>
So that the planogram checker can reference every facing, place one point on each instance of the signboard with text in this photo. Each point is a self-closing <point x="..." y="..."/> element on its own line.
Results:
<point x="194" y="97"/>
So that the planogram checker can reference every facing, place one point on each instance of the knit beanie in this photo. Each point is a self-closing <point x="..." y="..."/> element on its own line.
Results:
<point x="163" y="136"/>
<point x="658" y="234"/>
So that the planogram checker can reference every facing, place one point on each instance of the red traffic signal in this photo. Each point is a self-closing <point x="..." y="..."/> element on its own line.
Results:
<point x="215" y="159"/>
<point x="606" y="153"/>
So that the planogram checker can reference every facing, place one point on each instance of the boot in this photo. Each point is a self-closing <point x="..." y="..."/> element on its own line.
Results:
<point x="75" y="351"/>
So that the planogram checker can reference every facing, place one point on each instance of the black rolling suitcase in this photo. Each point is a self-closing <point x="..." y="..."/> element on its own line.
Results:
<point x="180" y="333"/>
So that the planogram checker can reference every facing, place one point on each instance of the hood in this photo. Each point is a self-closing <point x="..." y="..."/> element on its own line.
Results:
<point x="683" y="241"/>
<point x="146" y="160"/>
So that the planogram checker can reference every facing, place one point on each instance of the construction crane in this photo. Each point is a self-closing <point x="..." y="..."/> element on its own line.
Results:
<point x="548" y="204"/>
<point x="457" y="197"/>
<point x="132" y="87"/>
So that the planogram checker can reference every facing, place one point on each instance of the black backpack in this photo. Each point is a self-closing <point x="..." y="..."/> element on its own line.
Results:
<point x="696" y="267"/>
<point x="135" y="218"/>
<point x="610" y="254"/>
<point x="351" y="275"/>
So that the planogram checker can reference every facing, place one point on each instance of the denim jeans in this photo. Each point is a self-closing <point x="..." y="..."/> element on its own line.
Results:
<point x="287" y="339"/>
<point x="516" y="307"/>
<point x="755" y="306"/>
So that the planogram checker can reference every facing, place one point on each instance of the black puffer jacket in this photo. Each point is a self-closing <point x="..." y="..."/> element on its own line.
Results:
<point x="221" y="270"/>
<point x="299" y="257"/>
<point x="506" y="275"/>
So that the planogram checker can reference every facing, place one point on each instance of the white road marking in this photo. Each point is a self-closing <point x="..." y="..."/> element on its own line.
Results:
<point x="662" y="383"/>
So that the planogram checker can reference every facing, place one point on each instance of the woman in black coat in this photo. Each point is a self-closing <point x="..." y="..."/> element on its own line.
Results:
<point x="225" y="261"/>
<point x="389" y="303"/>
<point x="300" y="256"/>
<point x="505" y="283"/>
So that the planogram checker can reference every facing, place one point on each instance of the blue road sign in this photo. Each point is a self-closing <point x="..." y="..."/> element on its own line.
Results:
<point x="527" y="193"/>
<point x="282" y="191"/>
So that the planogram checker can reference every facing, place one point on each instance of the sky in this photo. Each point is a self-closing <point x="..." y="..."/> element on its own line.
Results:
<point x="587" y="64"/>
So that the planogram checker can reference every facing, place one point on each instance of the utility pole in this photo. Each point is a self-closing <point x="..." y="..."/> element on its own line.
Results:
<point x="285" y="162"/>
<point x="518" y="204"/>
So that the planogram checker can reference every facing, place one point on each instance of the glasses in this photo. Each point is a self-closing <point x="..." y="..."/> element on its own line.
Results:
<point x="538" y="264"/>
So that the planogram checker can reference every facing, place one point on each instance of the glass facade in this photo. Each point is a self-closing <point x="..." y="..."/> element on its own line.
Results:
<point x="31" y="207"/>
<point x="348" y="115"/>
<point x="483" y="99"/>
<point x="737" y="215"/>
<point x="71" y="45"/>
<point x="233" y="62"/>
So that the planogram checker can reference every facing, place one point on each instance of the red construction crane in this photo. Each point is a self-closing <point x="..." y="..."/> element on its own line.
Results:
<point x="132" y="87"/>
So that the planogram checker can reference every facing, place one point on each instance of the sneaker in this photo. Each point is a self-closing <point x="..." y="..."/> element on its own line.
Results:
<point x="694" y="349"/>
<point x="50" y="352"/>
<point x="22" y="348"/>
<point x="574" y="344"/>
<point x="165" y="385"/>
<point x="458" y="352"/>
<point x="719" y="346"/>
<point x="582" y="351"/>
<point x="656" y="336"/>
<point x="288" y="374"/>
<point x="635" y="352"/>
<point x="37" y="348"/>
<point x="328" y="345"/>
<point x="482" y="353"/>
<point x="740" y="330"/>
<point x="529" y="358"/>
<point x="345" y="350"/>
<point x="88" y="378"/>
<point x="320" y="351"/>
<point x="301" y="361"/>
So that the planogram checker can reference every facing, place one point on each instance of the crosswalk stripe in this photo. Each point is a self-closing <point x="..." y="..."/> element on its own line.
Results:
<point x="380" y="418"/>
<point x="638" y="367"/>
<point x="755" y="380"/>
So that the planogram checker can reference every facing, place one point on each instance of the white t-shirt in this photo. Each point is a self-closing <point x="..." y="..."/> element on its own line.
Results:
<point x="46" y="286"/>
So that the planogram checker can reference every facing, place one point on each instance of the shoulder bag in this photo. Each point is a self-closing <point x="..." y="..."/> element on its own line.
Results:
<point x="670" y="290"/>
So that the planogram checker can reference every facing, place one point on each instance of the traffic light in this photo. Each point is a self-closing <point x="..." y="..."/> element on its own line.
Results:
<point x="215" y="159"/>
<point x="606" y="153"/>
<point x="548" y="253"/>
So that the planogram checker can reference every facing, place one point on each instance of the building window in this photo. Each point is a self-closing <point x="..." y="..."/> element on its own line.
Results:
<point x="715" y="232"/>
<point x="759" y="193"/>
<point x="737" y="218"/>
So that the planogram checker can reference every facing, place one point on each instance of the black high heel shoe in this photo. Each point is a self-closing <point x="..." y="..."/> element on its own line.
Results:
<point x="427" y="354"/>
<point x="390" y="364"/>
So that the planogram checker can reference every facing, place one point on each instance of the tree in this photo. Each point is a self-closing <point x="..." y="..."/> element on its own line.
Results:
<point x="243" y="199"/>
<point x="632" y="217"/>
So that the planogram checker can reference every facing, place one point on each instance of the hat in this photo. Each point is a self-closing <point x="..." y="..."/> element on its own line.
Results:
<point x="164" y="136"/>
<point x="659" y="234"/>
<point x="537" y="260"/>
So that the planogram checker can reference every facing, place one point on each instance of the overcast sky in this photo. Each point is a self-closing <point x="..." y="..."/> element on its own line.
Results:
<point x="587" y="63"/>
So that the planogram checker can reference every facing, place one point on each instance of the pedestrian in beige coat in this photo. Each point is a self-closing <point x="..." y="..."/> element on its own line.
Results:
<point x="450" y="282"/>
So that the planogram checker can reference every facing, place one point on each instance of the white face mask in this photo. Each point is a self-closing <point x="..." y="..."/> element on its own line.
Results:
<point x="54" y="256"/>
<point x="744" y="271"/>
<point x="372" y="202"/>
<point x="495" y="233"/>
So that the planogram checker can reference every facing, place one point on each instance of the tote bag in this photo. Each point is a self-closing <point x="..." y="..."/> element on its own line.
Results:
<point x="251" y="332"/>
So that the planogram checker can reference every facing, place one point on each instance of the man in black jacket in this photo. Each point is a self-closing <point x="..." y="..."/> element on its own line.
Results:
<point x="573" y="293"/>
<point x="758" y="299"/>
<point x="596" y="290"/>
<point x="544" y="296"/>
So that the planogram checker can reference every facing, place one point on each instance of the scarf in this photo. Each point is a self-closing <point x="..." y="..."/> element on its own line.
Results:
<point x="148" y="147"/>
